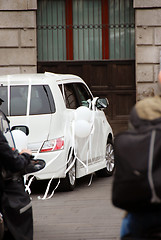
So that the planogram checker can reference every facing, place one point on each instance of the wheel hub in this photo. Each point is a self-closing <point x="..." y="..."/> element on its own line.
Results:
<point x="109" y="157"/>
<point x="72" y="174"/>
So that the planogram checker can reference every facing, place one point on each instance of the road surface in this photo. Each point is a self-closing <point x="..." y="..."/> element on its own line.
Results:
<point x="83" y="214"/>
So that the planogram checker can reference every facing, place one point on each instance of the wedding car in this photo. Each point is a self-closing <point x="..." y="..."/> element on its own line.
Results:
<point x="65" y="124"/>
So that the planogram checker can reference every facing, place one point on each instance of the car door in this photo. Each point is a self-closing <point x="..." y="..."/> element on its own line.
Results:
<point x="96" y="152"/>
<point x="73" y="101"/>
<point x="90" y="150"/>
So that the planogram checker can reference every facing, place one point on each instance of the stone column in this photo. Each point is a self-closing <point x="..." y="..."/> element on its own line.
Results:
<point x="18" y="36"/>
<point x="148" y="46"/>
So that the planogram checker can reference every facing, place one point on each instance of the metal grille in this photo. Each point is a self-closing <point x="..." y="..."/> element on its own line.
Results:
<point x="86" y="26"/>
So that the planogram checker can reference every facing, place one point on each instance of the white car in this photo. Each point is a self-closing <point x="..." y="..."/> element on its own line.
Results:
<point x="65" y="124"/>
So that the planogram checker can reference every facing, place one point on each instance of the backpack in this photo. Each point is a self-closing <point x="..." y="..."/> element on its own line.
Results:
<point x="137" y="178"/>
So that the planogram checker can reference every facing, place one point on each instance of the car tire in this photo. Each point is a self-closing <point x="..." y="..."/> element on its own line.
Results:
<point x="110" y="163"/>
<point x="69" y="183"/>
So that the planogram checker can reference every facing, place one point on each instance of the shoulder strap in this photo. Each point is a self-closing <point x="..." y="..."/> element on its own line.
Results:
<point x="154" y="198"/>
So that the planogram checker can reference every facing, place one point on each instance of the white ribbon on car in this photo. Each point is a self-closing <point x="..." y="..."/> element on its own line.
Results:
<point x="72" y="152"/>
<point x="47" y="190"/>
<point x="73" y="143"/>
<point x="27" y="186"/>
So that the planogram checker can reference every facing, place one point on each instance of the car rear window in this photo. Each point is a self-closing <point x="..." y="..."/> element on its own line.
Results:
<point x="41" y="102"/>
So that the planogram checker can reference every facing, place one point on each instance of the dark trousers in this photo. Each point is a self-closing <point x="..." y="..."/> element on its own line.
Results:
<point x="141" y="223"/>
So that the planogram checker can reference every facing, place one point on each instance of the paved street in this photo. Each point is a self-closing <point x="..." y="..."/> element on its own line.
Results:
<point x="86" y="213"/>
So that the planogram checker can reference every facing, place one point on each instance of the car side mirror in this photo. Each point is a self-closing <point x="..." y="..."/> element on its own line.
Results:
<point x="23" y="128"/>
<point x="102" y="103"/>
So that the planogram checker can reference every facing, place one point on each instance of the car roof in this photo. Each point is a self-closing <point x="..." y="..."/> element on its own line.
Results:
<point x="39" y="77"/>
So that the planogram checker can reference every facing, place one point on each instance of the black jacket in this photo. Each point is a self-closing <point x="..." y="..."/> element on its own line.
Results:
<point x="15" y="202"/>
<point x="137" y="151"/>
<point x="11" y="160"/>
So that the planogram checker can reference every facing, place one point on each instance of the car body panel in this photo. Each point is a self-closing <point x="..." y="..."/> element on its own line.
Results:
<point x="43" y="127"/>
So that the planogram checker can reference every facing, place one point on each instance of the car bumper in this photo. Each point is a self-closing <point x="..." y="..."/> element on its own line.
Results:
<point x="55" y="165"/>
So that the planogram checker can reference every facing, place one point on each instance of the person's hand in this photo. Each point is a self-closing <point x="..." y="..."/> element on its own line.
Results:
<point x="26" y="151"/>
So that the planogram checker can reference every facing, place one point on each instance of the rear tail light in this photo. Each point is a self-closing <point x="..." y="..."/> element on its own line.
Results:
<point x="53" y="145"/>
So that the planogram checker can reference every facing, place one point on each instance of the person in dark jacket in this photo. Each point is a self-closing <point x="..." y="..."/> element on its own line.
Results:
<point x="11" y="159"/>
<point x="137" y="224"/>
<point x="12" y="191"/>
<point x="147" y="220"/>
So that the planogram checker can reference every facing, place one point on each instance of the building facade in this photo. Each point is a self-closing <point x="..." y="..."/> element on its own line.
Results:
<point x="148" y="46"/>
<point x="114" y="45"/>
<point x="18" y="47"/>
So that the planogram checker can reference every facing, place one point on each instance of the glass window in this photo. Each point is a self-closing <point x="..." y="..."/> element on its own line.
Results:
<point x="121" y="32"/>
<point x="50" y="30"/>
<point x="18" y="100"/>
<point x="83" y="94"/>
<point x="76" y="95"/>
<point x="85" y="30"/>
<point x="4" y="97"/>
<point x="87" y="35"/>
<point x="41" y="100"/>
<point x="70" y="96"/>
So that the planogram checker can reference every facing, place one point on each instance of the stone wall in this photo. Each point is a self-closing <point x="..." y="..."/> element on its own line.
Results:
<point x="18" y="52"/>
<point x="148" y="46"/>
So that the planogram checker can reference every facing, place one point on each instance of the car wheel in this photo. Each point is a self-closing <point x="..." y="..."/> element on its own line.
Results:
<point x="68" y="183"/>
<point x="110" y="163"/>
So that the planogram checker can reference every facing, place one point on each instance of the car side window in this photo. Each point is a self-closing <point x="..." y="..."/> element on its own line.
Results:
<point x="83" y="94"/>
<point x="18" y="100"/>
<point x="42" y="101"/>
<point x="4" y="97"/>
<point x="70" y="96"/>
